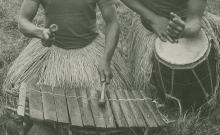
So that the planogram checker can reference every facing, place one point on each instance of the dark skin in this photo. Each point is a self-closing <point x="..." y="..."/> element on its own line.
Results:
<point x="28" y="12"/>
<point x="193" y="21"/>
<point x="176" y="28"/>
<point x="111" y="40"/>
<point x="171" y="30"/>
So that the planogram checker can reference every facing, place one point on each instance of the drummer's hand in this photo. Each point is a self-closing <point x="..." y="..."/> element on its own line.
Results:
<point x="176" y="27"/>
<point x="192" y="28"/>
<point x="105" y="72"/>
<point x="159" y="25"/>
<point x="179" y="29"/>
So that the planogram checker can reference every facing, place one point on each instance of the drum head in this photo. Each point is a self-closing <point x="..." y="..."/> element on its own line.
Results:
<point x="186" y="51"/>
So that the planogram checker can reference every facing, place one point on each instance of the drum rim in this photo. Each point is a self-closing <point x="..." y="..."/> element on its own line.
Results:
<point x="188" y="65"/>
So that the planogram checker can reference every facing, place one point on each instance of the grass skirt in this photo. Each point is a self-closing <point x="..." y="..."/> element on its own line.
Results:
<point x="140" y="44"/>
<point x="65" y="68"/>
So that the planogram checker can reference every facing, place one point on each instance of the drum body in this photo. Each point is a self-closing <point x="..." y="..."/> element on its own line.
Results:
<point x="192" y="83"/>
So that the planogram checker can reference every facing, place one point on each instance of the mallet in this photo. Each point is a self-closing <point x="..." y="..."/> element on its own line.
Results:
<point x="102" y="101"/>
<point x="53" y="28"/>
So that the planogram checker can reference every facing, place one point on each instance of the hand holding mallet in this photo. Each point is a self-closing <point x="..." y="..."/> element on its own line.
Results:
<point x="52" y="29"/>
<point x="102" y="100"/>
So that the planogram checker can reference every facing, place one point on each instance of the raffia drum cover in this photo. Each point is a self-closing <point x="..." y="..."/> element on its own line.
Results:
<point x="185" y="70"/>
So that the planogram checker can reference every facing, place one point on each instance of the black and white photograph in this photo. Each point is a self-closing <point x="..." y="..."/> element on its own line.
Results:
<point x="109" y="67"/>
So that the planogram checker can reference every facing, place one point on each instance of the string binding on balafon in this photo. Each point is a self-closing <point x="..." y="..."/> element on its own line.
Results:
<point x="89" y="98"/>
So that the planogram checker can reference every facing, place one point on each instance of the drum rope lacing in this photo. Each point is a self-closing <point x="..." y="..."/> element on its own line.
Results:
<point x="178" y="101"/>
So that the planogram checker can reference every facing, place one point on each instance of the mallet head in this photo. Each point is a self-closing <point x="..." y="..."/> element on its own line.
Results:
<point x="102" y="103"/>
<point x="53" y="28"/>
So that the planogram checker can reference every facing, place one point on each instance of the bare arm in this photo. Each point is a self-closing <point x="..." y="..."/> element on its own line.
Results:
<point x="112" y="31"/>
<point x="140" y="9"/>
<point x="196" y="10"/>
<point x="157" y="22"/>
<point x="111" y="40"/>
<point x="28" y="11"/>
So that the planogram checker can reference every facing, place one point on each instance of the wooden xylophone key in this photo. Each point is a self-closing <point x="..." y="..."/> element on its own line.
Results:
<point x="22" y="99"/>
<point x="87" y="118"/>
<point x="128" y="113"/>
<point x="135" y="109"/>
<point x="35" y="102"/>
<point x="73" y="108"/>
<point x="61" y="106"/>
<point x="49" y="107"/>
<point x="148" y="116"/>
<point x="95" y="108"/>
<point x="108" y="115"/>
<point x="153" y="108"/>
<point x="116" y="109"/>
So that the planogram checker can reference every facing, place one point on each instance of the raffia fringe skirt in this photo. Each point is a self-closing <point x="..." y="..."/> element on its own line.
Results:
<point x="58" y="67"/>
<point x="140" y="45"/>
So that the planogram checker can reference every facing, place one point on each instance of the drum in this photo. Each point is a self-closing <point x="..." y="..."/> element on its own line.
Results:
<point x="185" y="70"/>
<point x="79" y="110"/>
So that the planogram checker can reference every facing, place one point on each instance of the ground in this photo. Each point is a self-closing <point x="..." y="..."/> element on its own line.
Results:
<point x="12" y="42"/>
